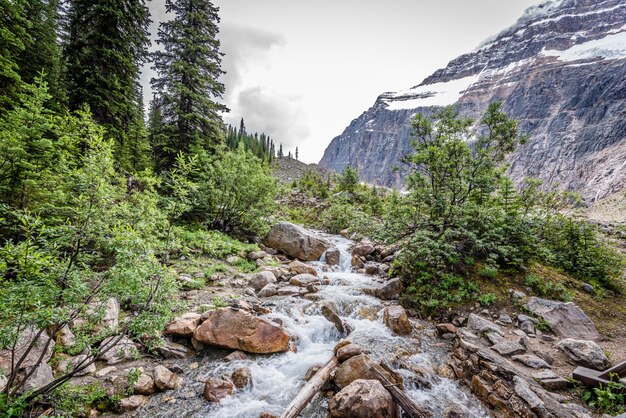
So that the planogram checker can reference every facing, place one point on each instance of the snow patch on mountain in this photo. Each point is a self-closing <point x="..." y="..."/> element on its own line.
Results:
<point x="437" y="94"/>
<point x="610" y="47"/>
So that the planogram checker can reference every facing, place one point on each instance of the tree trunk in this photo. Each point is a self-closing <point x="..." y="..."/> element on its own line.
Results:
<point x="409" y="407"/>
<point x="310" y="389"/>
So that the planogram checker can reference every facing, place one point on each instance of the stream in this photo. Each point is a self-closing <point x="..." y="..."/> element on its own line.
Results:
<point x="278" y="378"/>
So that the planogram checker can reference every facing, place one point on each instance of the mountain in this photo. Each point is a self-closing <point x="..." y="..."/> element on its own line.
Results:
<point x="560" y="70"/>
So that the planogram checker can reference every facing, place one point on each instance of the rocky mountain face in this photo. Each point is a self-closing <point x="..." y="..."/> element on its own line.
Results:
<point x="560" y="70"/>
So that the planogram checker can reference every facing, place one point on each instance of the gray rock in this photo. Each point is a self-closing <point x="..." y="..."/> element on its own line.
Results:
<point x="40" y="347"/>
<point x="508" y="348"/>
<point x="525" y="318"/>
<point x="588" y="288"/>
<point x="550" y="380"/>
<point x="303" y="280"/>
<point x="528" y="327"/>
<point x="171" y="350"/>
<point x="585" y="353"/>
<point x="40" y="378"/>
<point x="532" y="361"/>
<point x="524" y="391"/>
<point x="332" y="256"/>
<point x="566" y="320"/>
<point x="296" y="242"/>
<point x="505" y="319"/>
<point x="478" y="323"/>
<point x="68" y="364"/>
<point x="259" y="280"/>
<point x="124" y="350"/>
<point x="268" y="290"/>
<point x="288" y="291"/>
<point x="390" y="290"/>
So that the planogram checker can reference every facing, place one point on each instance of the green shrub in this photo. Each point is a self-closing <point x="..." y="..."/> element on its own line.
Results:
<point x="487" y="299"/>
<point x="608" y="399"/>
<point x="545" y="288"/>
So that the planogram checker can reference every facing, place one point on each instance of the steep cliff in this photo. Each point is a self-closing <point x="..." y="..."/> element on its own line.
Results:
<point x="560" y="70"/>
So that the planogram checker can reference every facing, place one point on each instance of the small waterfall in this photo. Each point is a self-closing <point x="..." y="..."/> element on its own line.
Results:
<point x="276" y="379"/>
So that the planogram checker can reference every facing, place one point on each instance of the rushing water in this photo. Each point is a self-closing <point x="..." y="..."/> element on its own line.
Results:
<point x="278" y="378"/>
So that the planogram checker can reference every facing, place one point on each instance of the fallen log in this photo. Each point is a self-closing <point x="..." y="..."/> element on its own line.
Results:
<point x="409" y="407"/>
<point x="310" y="389"/>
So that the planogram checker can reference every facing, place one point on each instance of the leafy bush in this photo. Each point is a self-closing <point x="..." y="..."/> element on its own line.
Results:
<point x="545" y="288"/>
<point x="236" y="193"/>
<point x="487" y="299"/>
<point x="608" y="399"/>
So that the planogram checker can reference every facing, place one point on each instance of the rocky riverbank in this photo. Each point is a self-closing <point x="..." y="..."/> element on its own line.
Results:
<point x="250" y="357"/>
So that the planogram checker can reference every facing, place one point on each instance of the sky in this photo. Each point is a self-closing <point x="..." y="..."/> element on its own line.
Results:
<point x="302" y="70"/>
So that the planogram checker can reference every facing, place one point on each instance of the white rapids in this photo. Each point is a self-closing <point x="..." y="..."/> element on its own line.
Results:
<point x="276" y="379"/>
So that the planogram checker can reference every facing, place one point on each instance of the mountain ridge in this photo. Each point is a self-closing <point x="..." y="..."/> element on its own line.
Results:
<point x="559" y="70"/>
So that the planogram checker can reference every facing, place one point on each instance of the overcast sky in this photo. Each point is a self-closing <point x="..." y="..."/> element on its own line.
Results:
<point x="301" y="70"/>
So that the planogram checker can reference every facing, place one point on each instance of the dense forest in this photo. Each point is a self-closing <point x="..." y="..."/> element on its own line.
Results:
<point x="100" y="197"/>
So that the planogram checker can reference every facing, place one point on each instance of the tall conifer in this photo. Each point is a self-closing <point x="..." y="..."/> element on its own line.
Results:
<point x="187" y="84"/>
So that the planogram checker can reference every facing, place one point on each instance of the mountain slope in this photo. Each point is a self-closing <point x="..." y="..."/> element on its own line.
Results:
<point x="560" y="70"/>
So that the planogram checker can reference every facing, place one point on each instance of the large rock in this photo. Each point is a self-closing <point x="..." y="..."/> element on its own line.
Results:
<point x="390" y="290"/>
<point x="332" y="256"/>
<point x="171" y="349"/>
<point x="303" y="280"/>
<point x="330" y="313"/>
<point x="363" y="399"/>
<point x="40" y="378"/>
<point x="298" y="267"/>
<point x="110" y="311"/>
<point x="259" y="280"/>
<point x="132" y="403"/>
<point x="217" y="389"/>
<point x="566" y="320"/>
<point x="68" y="364"/>
<point x="585" y="353"/>
<point x="144" y="385"/>
<point x="121" y="351"/>
<point x="348" y="351"/>
<point x="396" y="319"/>
<point x="359" y="367"/>
<point x="296" y="242"/>
<point x="242" y="377"/>
<point x="268" y="291"/>
<point x="240" y="330"/>
<point x="480" y="324"/>
<point x="363" y="249"/>
<point x="183" y="326"/>
<point x="165" y="379"/>
<point x="42" y="346"/>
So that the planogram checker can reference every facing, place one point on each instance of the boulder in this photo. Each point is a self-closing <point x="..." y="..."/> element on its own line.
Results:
<point x="371" y="269"/>
<point x="296" y="242"/>
<point x="144" y="385"/>
<point x="259" y="280"/>
<point x="359" y="367"/>
<point x="268" y="291"/>
<point x="566" y="320"/>
<point x="550" y="380"/>
<point x="236" y="356"/>
<point x="242" y="377"/>
<point x="396" y="319"/>
<point x="363" y="399"/>
<point x="288" y="291"/>
<point x="111" y="313"/>
<point x="123" y="350"/>
<point x="585" y="353"/>
<point x="348" y="351"/>
<point x="66" y="337"/>
<point x="532" y="361"/>
<point x="240" y="330"/>
<point x="478" y="323"/>
<point x="303" y="280"/>
<point x="332" y="256"/>
<point x="508" y="348"/>
<point x="358" y="262"/>
<point x="330" y="313"/>
<point x="257" y="255"/>
<point x="363" y="249"/>
<point x="446" y="328"/>
<point x="27" y="338"/>
<point x="40" y="378"/>
<point x="298" y="267"/>
<point x="170" y="350"/>
<point x="183" y="326"/>
<point x="217" y="389"/>
<point x="390" y="290"/>
<point x="132" y="403"/>
<point x="164" y="379"/>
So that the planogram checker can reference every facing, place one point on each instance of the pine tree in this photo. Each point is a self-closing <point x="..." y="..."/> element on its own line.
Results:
<point x="187" y="82"/>
<point x="14" y="36"/>
<point x="296" y="153"/>
<point x="41" y="54"/>
<point x="106" y="45"/>
<point x="280" y="151"/>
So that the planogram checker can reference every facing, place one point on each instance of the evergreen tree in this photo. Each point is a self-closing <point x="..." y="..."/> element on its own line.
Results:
<point x="106" y="45"/>
<point x="42" y="53"/>
<point x="14" y="36"/>
<point x="280" y="151"/>
<point x="296" y="153"/>
<point x="187" y="82"/>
